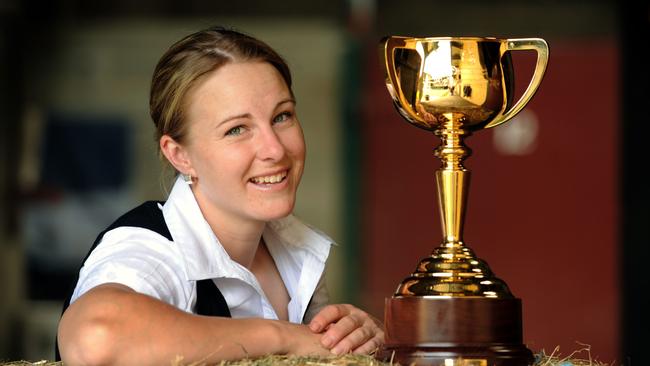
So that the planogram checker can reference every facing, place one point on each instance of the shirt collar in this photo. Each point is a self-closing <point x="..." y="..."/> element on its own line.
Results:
<point x="205" y="257"/>
<point x="294" y="233"/>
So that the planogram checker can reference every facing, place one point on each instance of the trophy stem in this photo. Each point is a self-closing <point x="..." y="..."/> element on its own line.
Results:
<point x="452" y="179"/>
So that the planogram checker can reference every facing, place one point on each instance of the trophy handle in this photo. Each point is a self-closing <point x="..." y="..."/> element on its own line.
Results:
<point x="393" y="85"/>
<point x="541" y="47"/>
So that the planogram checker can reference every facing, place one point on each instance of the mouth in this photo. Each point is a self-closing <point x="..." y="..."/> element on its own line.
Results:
<point x="270" y="179"/>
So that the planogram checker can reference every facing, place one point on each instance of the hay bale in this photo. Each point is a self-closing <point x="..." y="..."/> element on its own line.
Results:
<point x="581" y="357"/>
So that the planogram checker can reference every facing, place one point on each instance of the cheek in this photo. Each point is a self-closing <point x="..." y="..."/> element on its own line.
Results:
<point x="234" y="163"/>
<point x="222" y="164"/>
<point x="295" y="144"/>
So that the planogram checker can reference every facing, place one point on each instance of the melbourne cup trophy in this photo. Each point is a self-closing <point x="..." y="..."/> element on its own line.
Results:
<point x="453" y="311"/>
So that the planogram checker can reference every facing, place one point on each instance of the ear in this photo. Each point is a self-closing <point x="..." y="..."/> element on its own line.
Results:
<point x="176" y="154"/>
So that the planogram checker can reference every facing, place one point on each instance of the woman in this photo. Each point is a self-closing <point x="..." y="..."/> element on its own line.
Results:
<point x="226" y="122"/>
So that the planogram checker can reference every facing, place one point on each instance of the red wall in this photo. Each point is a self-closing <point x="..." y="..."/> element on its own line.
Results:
<point x="546" y="222"/>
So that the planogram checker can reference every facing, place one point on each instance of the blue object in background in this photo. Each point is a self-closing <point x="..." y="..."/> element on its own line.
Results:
<point x="84" y="154"/>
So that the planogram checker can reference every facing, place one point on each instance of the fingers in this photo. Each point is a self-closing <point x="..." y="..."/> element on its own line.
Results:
<point x="370" y="346"/>
<point x="350" y="326"/>
<point x="363" y="340"/>
<point x="327" y="316"/>
<point x="355" y="340"/>
<point x="347" y="329"/>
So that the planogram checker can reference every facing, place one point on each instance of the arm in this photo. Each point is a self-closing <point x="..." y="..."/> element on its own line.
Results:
<point x="348" y="329"/>
<point x="114" y="325"/>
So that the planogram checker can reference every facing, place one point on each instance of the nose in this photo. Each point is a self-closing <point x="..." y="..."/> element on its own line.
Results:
<point x="270" y="146"/>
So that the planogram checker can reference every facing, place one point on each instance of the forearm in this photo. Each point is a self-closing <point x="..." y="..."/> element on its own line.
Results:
<point x="114" y="325"/>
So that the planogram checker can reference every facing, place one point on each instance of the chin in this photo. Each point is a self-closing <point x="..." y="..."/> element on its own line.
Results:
<point x="274" y="213"/>
<point x="280" y="215"/>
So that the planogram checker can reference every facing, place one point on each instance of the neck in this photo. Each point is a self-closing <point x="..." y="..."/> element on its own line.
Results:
<point x="241" y="243"/>
<point x="240" y="237"/>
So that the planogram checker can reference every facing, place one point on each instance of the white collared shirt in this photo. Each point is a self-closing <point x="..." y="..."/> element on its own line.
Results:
<point x="150" y="264"/>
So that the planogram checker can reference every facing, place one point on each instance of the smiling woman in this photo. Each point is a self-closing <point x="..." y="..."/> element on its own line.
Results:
<point x="221" y="270"/>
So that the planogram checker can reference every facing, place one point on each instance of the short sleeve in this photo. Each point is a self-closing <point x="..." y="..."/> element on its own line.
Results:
<point x="140" y="259"/>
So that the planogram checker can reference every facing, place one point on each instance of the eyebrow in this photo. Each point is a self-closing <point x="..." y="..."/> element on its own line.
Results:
<point x="244" y="115"/>
<point x="288" y="100"/>
<point x="248" y="115"/>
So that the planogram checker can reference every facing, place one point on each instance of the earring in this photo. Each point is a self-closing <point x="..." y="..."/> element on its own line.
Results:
<point x="187" y="178"/>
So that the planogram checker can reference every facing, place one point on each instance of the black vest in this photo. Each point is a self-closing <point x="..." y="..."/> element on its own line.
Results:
<point x="209" y="300"/>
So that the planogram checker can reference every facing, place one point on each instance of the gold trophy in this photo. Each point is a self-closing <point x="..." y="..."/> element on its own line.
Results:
<point x="452" y="310"/>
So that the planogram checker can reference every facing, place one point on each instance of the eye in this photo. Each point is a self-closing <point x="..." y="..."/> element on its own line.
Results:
<point x="284" y="116"/>
<point x="235" y="131"/>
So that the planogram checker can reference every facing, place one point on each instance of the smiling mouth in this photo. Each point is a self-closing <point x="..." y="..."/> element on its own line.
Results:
<point x="270" y="179"/>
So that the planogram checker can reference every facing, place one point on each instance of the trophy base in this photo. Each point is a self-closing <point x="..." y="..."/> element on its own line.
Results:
<point x="454" y="332"/>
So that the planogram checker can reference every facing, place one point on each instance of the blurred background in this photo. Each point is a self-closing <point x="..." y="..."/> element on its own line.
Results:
<point x="558" y="204"/>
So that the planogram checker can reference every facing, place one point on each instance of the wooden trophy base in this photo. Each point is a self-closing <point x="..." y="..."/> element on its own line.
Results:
<point x="454" y="332"/>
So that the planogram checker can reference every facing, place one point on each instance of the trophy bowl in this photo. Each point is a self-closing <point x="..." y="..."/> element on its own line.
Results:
<point x="452" y="310"/>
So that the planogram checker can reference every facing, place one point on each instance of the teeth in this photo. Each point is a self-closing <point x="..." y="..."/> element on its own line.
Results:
<point x="269" y="179"/>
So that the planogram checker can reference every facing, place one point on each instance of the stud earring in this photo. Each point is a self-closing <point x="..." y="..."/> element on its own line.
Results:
<point x="188" y="178"/>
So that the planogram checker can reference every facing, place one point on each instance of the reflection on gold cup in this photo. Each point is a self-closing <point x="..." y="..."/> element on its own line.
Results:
<point x="452" y="307"/>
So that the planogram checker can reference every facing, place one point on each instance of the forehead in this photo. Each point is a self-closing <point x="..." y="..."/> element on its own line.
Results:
<point x="241" y="77"/>
<point x="235" y="82"/>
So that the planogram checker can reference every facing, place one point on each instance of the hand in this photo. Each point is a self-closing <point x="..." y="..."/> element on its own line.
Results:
<point x="347" y="329"/>
<point x="301" y="341"/>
